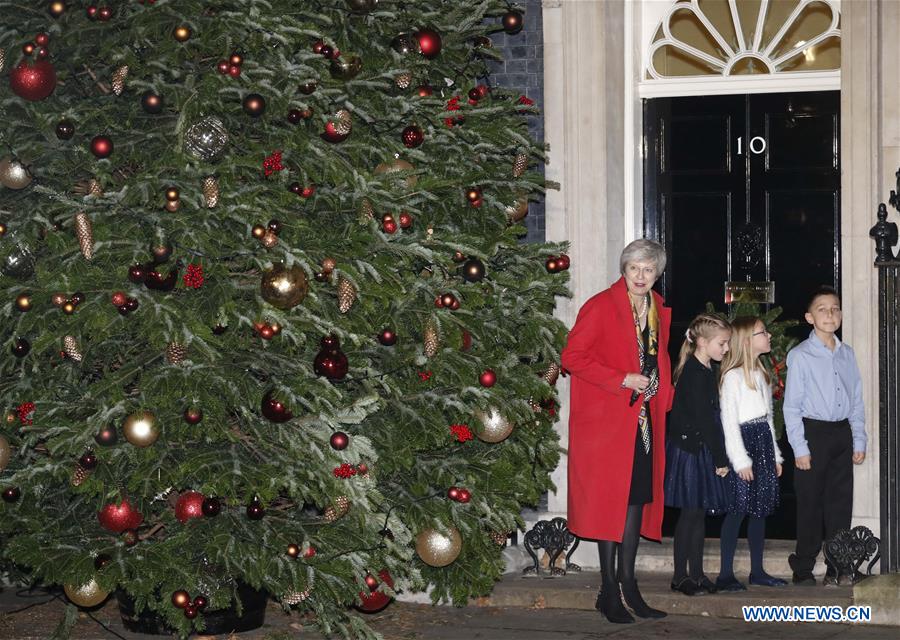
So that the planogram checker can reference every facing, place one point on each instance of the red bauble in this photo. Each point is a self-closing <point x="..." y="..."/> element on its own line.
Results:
<point x="211" y="507"/>
<point x="552" y="264"/>
<point x="413" y="136"/>
<point x="387" y="337"/>
<point x="255" y="510"/>
<point x="137" y="273"/>
<point x="88" y="460"/>
<point x="310" y="552"/>
<point x="331" y="135"/>
<point x="119" y="298"/>
<point x="375" y="601"/>
<point x="222" y="66"/>
<point x="308" y="191"/>
<point x="192" y="415"/>
<point x="275" y="410"/>
<point x="189" y="505"/>
<point x="119" y="517"/>
<point x="513" y="22"/>
<point x="429" y="42"/>
<point x="453" y="493"/>
<point x="331" y="361"/>
<point x="447" y="300"/>
<point x="190" y="612"/>
<point x="33" y="81"/>
<point x="488" y="378"/>
<point x="158" y="282"/>
<point x="339" y="440"/>
<point x="406" y="220"/>
<point x="562" y="262"/>
<point x="200" y="602"/>
<point x="424" y="90"/>
<point x="234" y="71"/>
<point x="466" y="341"/>
<point x="293" y="550"/>
<point x="389" y="226"/>
<point x="473" y="194"/>
<point x="464" y="496"/>
<point x="102" y="146"/>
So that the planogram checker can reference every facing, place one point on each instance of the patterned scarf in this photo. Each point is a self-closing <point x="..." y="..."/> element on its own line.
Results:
<point x="651" y="353"/>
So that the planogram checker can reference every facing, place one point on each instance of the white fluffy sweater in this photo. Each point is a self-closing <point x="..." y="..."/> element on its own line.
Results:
<point x="739" y="403"/>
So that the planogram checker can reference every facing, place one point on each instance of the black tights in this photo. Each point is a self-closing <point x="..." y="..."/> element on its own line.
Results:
<point x="756" y="539"/>
<point x="627" y="550"/>
<point x="689" y="535"/>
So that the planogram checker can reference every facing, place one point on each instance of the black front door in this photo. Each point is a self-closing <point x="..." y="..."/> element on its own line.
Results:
<point x="744" y="188"/>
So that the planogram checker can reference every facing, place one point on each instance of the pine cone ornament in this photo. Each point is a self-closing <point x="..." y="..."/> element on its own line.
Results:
<point x="346" y="295"/>
<point x="551" y="374"/>
<point x="337" y="510"/>
<point x="520" y="164"/>
<point x="175" y="353"/>
<point x="296" y="597"/>
<point x="432" y="339"/>
<point x="85" y="234"/>
<point x="499" y="537"/>
<point x="343" y="122"/>
<point x="70" y="348"/>
<point x="88" y="188"/>
<point x="118" y="79"/>
<point x="366" y="210"/>
<point x="79" y="475"/>
<point x="403" y="80"/>
<point x="211" y="191"/>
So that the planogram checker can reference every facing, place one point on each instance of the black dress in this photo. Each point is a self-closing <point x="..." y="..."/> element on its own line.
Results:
<point x="642" y="470"/>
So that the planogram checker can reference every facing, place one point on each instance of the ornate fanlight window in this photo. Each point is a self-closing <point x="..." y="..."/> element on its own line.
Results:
<point x="734" y="38"/>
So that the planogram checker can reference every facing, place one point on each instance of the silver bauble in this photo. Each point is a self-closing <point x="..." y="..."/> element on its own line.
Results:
<point x="437" y="549"/>
<point x="494" y="427"/>
<point x="14" y="174"/>
<point x="17" y="260"/>
<point x="206" y="140"/>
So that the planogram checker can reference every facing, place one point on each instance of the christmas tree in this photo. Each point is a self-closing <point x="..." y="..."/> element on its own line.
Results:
<point x="268" y="321"/>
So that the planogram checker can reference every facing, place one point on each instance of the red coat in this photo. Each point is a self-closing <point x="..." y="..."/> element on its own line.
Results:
<point x="601" y="349"/>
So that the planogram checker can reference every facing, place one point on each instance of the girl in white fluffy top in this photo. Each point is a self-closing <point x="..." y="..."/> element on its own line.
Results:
<point x="745" y="399"/>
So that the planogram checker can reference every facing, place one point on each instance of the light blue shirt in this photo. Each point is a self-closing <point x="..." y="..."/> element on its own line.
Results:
<point x="824" y="385"/>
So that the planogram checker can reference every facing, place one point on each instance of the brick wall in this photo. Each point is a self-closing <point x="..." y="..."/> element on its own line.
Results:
<point x="522" y="69"/>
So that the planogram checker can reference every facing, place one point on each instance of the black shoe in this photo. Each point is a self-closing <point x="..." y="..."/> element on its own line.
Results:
<point x="804" y="580"/>
<point x="765" y="580"/>
<point x="687" y="586"/>
<point x="706" y="585"/>
<point x="634" y="600"/>
<point x="609" y="603"/>
<point x="830" y="580"/>
<point x="729" y="584"/>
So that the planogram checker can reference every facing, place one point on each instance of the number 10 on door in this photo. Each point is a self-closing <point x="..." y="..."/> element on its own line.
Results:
<point x="757" y="145"/>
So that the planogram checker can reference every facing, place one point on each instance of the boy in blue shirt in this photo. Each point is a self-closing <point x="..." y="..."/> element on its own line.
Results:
<point x="825" y="421"/>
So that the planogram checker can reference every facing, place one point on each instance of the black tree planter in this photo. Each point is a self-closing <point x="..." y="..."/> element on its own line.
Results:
<point x="218" y="621"/>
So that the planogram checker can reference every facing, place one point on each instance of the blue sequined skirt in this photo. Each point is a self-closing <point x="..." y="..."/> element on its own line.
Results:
<point x="691" y="481"/>
<point x="760" y="496"/>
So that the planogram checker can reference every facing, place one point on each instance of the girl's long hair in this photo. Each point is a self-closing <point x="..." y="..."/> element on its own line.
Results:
<point x="740" y="353"/>
<point x="705" y="326"/>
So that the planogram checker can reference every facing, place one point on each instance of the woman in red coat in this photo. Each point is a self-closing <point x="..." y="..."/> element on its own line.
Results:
<point x="621" y="389"/>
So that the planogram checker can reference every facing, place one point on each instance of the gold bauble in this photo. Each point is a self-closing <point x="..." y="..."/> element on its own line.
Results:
<point x="283" y="287"/>
<point x="5" y="452"/>
<point x="437" y="549"/>
<point x="396" y="165"/>
<point x="494" y="427"/>
<point x="14" y="174"/>
<point x="182" y="33"/>
<point x="141" y="429"/>
<point x="87" y="595"/>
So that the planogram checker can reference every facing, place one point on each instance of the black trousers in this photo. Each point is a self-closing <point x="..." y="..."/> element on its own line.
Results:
<point x="825" y="491"/>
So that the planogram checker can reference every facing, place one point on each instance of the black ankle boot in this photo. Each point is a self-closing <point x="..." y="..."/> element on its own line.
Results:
<point x="609" y="603"/>
<point x="634" y="600"/>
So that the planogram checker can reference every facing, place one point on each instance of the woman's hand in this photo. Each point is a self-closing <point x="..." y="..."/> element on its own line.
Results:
<point x="636" y="382"/>
<point x="721" y="471"/>
<point x="745" y="474"/>
<point x="778" y="469"/>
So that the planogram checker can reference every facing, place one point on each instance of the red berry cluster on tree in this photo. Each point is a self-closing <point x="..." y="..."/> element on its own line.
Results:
<point x="272" y="163"/>
<point x="345" y="471"/>
<point x="193" y="278"/>
<point x="461" y="432"/>
<point x="25" y="412"/>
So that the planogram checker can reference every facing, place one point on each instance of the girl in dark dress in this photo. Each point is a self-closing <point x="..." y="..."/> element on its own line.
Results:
<point x="696" y="461"/>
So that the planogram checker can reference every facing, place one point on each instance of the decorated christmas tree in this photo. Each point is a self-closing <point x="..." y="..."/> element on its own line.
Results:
<point x="268" y="322"/>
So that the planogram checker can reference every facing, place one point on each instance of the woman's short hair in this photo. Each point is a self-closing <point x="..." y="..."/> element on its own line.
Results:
<point x="643" y="250"/>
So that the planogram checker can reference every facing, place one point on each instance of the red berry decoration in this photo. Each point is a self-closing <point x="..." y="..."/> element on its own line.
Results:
<point x="211" y="507"/>
<point x="181" y="598"/>
<point x="513" y="22"/>
<point x="274" y="410"/>
<point x="412" y="136"/>
<point x="33" y="81"/>
<point x="119" y="517"/>
<point x="101" y="146"/>
<point x="189" y="506"/>
<point x="193" y="415"/>
<point x="375" y="601"/>
<point x="429" y="42"/>
<point x="387" y="337"/>
<point x="339" y="440"/>
<point x="488" y="378"/>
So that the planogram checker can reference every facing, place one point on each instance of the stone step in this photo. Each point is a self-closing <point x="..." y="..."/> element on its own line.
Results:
<point x="579" y="591"/>
<point x="655" y="557"/>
